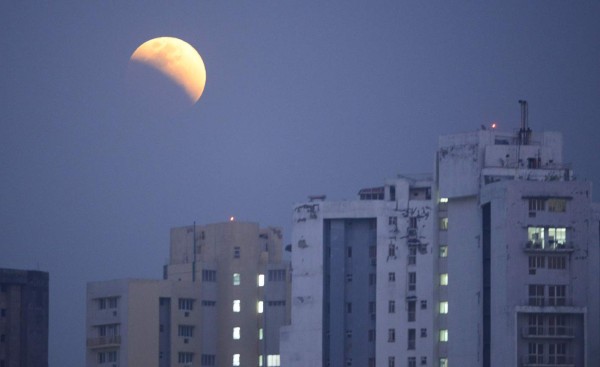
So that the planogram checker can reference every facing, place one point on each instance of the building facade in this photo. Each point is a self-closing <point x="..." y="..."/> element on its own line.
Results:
<point x="493" y="262"/>
<point x="23" y="318"/>
<point x="224" y="296"/>
<point x="364" y="279"/>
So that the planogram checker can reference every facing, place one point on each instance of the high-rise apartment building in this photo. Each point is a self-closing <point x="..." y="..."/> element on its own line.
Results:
<point x="493" y="262"/>
<point x="224" y="296"/>
<point x="23" y="318"/>
<point x="363" y="289"/>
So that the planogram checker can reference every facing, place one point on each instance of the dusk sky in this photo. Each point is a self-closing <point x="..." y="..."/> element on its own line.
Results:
<point x="301" y="98"/>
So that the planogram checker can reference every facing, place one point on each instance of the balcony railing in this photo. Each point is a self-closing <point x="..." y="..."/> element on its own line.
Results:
<point x="547" y="361"/>
<point x="531" y="246"/>
<point x="548" y="332"/>
<point x="104" y="341"/>
<point x="549" y="302"/>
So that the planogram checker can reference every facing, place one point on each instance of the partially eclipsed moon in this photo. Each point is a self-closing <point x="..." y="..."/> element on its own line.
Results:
<point x="177" y="60"/>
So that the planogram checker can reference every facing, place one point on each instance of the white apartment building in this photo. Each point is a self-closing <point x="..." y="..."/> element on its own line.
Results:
<point x="224" y="296"/>
<point x="364" y="279"/>
<point x="494" y="262"/>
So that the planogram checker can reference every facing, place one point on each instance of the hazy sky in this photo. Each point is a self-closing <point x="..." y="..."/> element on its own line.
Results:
<point x="304" y="97"/>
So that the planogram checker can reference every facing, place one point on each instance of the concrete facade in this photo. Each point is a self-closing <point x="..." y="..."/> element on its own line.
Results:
<point x="224" y="296"/>
<point x="363" y="280"/>
<point x="23" y="318"/>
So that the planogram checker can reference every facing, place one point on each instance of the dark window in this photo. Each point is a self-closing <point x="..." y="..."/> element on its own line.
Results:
<point x="209" y="275"/>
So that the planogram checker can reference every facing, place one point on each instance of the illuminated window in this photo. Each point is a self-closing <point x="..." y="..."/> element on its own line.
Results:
<point x="443" y="251"/>
<point x="444" y="307"/>
<point x="273" y="360"/>
<point x="260" y="361"/>
<point x="236" y="278"/>
<point x="557" y="237"/>
<point x="535" y="235"/>
<point x="444" y="224"/>
<point x="443" y="362"/>
<point x="236" y="359"/>
<point x="444" y="279"/>
<point x="259" y="307"/>
<point x="444" y="335"/>
<point x="443" y="200"/>
<point x="236" y="305"/>
<point x="260" y="334"/>
<point x="261" y="280"/>
<point x="236" y="333"/>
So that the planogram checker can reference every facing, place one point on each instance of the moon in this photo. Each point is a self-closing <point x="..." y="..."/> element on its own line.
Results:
<point x="177" y="60"/>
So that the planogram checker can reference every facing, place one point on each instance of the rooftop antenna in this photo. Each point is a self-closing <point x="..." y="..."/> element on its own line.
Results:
<point x="525" y="131"/>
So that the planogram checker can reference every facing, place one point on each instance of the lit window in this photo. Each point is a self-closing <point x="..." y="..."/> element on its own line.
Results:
<point x="259" y="306"/>
<point x="444" y="335"/>
<point x="260" y="334"/>
<point x="443" y="362"/>
<point x="260" y="361"/>
<point x="444" y="224"/>
<point x="273" y="360"/>
<point x="444" y="279"/>
<point x="443" y="251"/>
<point x="443" y="200"/>
<point x="236" y="359"/>
<point x="444" y="307"/>
<point x="261" y="280"/>
<point x="236" y="305"/>
<point x="236" y="333"/>
<point x="236" y="278"/>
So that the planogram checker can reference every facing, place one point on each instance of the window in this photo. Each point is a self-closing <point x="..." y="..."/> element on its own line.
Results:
<point x="557" y="353"/>
<point x="277" y="275"/>
<point x="557" y="237"/>
<point x="391" y="250"/>
<point x="536" y="295"/>
<point x="349" y="277"/>
<point x="371" y="335"/>
<point x="107" y="302"/>
<point x="536" y="353"/>
<point x="259" y="307"/>
<point x="392" y="221"/>
<point x="557" y="205"/>
<point x="391" y="307"/>
<point x="372" y="307"/>
<point x="412" y="255"/>
<point x="209" y="303"/>
<point x="349" y="251"/>
<point x="371" y="362"/>
<point x="535" y="324"/>
<point x="444" y="335"/>
<point x="443" y="362"/>
<point x="536" y="204"/>
<point x="236" y="252"/>
<point x="372" y="279"/>
<point x="412" y="311"/>
<point x="236" y="333"/>
<point x="391" y="335"/>
<point x="444" y="279"/>
<point x="236" y="360"/>
<point x="185" y="357"/>
<point x="423" y="304"/>
<point x="547" y="237"/>
<point x="423" y="360"/>
<point x="536" y="262"/>
<point x="186" y="331"/>
<point x="349" y="307"/>
<point x="557" y="295"/>
<point x="412" y="361"/>
<point x="273" y="360"/>
<point x="443" y="251"/>
<point x="444" y="224"/>
<point x="391" y="277"/>
<point x="412" y="281"/>
<point x="236" y="305"/>
<point x="209" y="275"/>
<point x="557" y="325"/>
<point x="208" y="359"/>
<point x="412" y="222"/>
<point x="186" y="304"/>
<point x="423" y="333"/>
<point x="444" y="307"/>
<point x="391" y="362"/>
<point x="276" y="303"/>
<point x="372" y="252"/>
<point x="443" y="200"/>
<point x="236" y="279"/>
<point x="412" y="339"/>
<point x="107" y="357"/>
<point x="557" y="262"/>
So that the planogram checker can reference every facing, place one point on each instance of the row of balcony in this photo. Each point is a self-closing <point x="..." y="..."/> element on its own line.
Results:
<point x="548" y="361"/>
<point x="549" y="332"/>
<point x="549" y="302"/>
<point x="104" y="341"/>
<point x="531" y="246"/>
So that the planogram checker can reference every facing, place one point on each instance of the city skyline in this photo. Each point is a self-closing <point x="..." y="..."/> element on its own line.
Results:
<point x="300" y="99"/>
